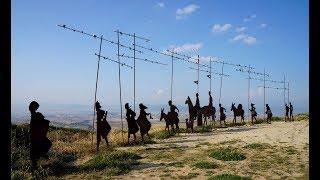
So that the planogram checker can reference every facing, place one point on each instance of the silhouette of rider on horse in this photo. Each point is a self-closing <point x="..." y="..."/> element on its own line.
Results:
<point x="172" y="109"/>
<point x="197" y="107"/>
<point x="210" y="100"/>
<point x="172" y="113"/>
<point x="222" y="114"/>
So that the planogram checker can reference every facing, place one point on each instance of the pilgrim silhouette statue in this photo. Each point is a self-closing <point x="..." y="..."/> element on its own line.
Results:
<point x="253" y="113"/>
<point x="286" y="118"/>
<point x="197" y="107"/>
<point x="132" y="124"/>
<point x="222" y="114"/>
<point x="143" y="121"/>
<point x="103" y="127"/>
<point x="291" y="110"/>
<point x="269" y="113"/>
<point x="210" y="100"/>
<point x="39" y="143"/>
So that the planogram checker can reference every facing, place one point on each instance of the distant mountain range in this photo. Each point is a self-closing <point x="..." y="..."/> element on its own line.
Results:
<point x="80" y="116"/>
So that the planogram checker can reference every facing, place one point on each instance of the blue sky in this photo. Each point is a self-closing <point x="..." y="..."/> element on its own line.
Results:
<point x="56" y="66"/>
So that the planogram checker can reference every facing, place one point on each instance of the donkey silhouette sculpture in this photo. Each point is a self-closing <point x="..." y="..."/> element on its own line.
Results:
<point x="237" y="112"/>
<point x="170" y="120"/>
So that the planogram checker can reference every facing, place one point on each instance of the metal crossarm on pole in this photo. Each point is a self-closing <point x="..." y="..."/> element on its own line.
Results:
<point x="216" y="73"/>
<point x="120" y="97"/>
<point x="171" y="73"/>
<point x="147" y="60"/>
<point x="95" y="92"/>
<point x="288" y="93"/>
<point x="221" y="83"/>
<point x="250" y="71"/>
<point x="95" y="36"/>
<point x="134" y="61"/>
<point x="106" y="58"/>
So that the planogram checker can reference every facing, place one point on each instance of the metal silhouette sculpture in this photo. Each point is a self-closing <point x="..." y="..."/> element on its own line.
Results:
<point x="132" y="124"/>
<point x="173" y="115"/>
<point x="103" y="127"/>
<point x="291" y="111"/>
<point x="237" y="112"/>
<point x="286" y="118"/>
<point x="39" y="143"/>
<point x="198" y="107"/>
<point x="166" y="119"/>
<point x="222" y="114"/>
<point x="189" y="125"/>
<point x="253" y="113"/>
<point x="269" y="114"/>
<point x="192" y="109"/>
<point x="143" y="121"/>
<point x="208" y="111"/>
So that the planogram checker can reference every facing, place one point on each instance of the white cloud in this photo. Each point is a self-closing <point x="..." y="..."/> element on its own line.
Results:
<point x="186" y="47"/>
<point x="250" y="40"/>
<point x="249" y="18"/>
<point x="160" y="4"/>
<point x="239" y="37"/>
<point x="221" y="28"/>
<point x="159" y="92"/>
<point x="247" y="39"/>
<point x="240" y="29"/>
<point x="263" y="25"/>
<point x="183" y="12"/>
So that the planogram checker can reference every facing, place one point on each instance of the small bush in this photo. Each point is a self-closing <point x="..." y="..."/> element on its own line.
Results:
<point x="122" y="161"/>
<point x="227" y="154"/>
<point x="228" y="177"/>
<point x="202" y="129"/>
<point x="189" y="176"/>
<point x="205" y="165"/>
<point x="163" y="134"/>
<point x="276" y="118"/>
<point x="291" y="150"/>
<point x="301" y="116"/>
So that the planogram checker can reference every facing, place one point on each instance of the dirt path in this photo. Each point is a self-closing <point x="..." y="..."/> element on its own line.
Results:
<point x="285" y="155"/>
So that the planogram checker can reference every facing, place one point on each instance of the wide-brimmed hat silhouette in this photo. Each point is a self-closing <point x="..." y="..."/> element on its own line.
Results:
<point x="33" y="106"/>
<point x="126" y="105"/>
<point x="141" y="106"/>
<point x="98" y="105"/>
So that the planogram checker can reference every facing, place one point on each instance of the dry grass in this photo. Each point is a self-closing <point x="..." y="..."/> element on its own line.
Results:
<point x="165" y="156"/>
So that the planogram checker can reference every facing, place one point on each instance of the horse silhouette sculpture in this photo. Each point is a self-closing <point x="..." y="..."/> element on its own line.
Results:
<point x="208" y="112"/>
<point x="192" y="110"/>
<point x="237" y="112"/>
<point x="170" y="120"/>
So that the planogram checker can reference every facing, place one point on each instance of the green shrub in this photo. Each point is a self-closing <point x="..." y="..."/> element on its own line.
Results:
<point x="301" y="116"/>
<point x="205" y="165"/>
<point x="121" y="161"/>
<point x="227" y="154"/>
<point x="163" y="134"/>
<point x="202" y="129"/>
